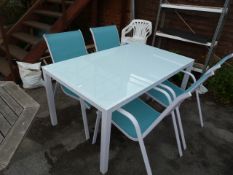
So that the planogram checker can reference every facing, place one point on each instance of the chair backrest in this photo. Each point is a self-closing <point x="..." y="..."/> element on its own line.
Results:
<point x="65" y="45"/>
<point x="203" y="78"/>
<point x="226" y="58"/>
<point x="208" y="73"/>
<point x="141" y="28"/>
<point x="176" y="103"/>
<point x="105" y="37"/>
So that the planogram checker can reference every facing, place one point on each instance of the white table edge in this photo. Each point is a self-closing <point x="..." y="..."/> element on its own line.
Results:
<point x="124" y="101"/>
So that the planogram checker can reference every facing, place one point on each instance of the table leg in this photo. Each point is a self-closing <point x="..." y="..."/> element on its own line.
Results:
<point x="84" y="116"/>
<point x="186" y="77"/>
<point x="105" y="140"/>
<point x="50" y="98"/>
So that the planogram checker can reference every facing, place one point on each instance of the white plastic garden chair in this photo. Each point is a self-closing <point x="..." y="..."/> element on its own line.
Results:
<point x="137" y="31"/>
<point x="137" y="119"/>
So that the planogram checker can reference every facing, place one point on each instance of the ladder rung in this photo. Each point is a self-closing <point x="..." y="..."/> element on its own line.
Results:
<point x="185" y="37"/>
<point x="198" y="67"/>
<point x="193" y="8"/>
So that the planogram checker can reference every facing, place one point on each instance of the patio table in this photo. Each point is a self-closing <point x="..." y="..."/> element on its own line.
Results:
<point x="111" y="78"/>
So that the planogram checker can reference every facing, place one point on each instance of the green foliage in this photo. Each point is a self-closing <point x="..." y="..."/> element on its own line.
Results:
<point x="221" y="85"/>
<point x="12" y="10"/>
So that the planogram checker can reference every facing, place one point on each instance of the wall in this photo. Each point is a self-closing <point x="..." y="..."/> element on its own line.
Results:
<point x="101" y="13"/>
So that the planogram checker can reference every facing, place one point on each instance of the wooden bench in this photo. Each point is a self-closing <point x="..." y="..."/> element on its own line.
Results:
<point x="17" y="111"/>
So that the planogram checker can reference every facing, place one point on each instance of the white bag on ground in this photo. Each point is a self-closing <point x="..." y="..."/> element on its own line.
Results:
<point x="30" y="74"/>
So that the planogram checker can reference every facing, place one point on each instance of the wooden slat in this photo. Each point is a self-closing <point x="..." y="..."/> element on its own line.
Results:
<point x="17" y="52"/>
<point x="11" y="102"/>
<point x="12" y="135"/>
<point x="26" y="37"/>
<point x="7" y="112"/>
<point x="19" y="95"/>
<point x="38" y="25"/>
<point x="2" y="83"/>
<point x="16" y="134"/>
<point x="1" y="138"/>
<point x="71" y="14"/>
<point x="59" y="1"/>
<point x="49" y="13"/>
<point x="4" y="126"/>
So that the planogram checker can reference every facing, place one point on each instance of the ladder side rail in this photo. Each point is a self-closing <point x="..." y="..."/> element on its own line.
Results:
<point x="132" y="6"/>
<point x="157" y="22"/>
<point x="217" y="34"/>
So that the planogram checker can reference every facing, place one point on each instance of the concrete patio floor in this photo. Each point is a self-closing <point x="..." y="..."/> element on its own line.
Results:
<point x="62" y="150"/>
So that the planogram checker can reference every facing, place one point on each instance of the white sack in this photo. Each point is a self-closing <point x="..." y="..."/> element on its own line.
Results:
<point x="30" y="74"/>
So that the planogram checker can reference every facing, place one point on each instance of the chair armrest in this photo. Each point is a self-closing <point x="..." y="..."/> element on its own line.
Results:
<point x="133" y="120"/>
<point x="169" y="89"/>
<point x="165" y="93"/>
<point x="126" y="30"/>
<point x="190" y="74"/>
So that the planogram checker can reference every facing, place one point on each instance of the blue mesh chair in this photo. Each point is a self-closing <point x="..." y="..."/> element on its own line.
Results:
<point x="137" y="119"/>
<point x="64" y="46"/>
<point x="105" y="37"/>
<point x="175" y="91"/>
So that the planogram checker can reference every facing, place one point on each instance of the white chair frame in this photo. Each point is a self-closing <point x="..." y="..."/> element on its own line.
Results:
<point x="84" y="106"/>
<point x="141" y="30"/>
<point x="210" y="73"/>
<point x="140" y="136"/>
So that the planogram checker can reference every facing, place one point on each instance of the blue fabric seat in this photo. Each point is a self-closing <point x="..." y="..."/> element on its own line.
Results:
<point x="143" y="113"/>
<point x="69" y="92"/>
<point x="64" y="46"/>
<point x="137" y="119"/>
<point x="105" y="37"/>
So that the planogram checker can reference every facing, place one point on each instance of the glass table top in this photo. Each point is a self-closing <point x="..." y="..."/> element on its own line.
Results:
<point x="108" y="78"/>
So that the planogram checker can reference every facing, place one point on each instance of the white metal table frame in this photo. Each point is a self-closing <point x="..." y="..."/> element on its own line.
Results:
<point x="106" y="113"/>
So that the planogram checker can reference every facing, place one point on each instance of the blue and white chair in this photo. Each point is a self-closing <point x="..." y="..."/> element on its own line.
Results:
<point x="176" y="91"/>
<point x="137" y="119"/>
<point x="64" y="46"/>
<point x="105" y="37"/>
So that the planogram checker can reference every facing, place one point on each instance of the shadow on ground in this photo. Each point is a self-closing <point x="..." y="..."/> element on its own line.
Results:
<point x="63" y="150"/>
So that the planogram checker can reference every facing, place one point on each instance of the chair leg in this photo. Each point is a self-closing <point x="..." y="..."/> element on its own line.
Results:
<point x="144" y="155"/>
<point x="97" y="126"/>
<point x="181" y="128"/>
<point x="84" y="116"/>
<point x="199" y="109"/>
<point x="55" y="88"/>
<point x="177" y="134"/>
